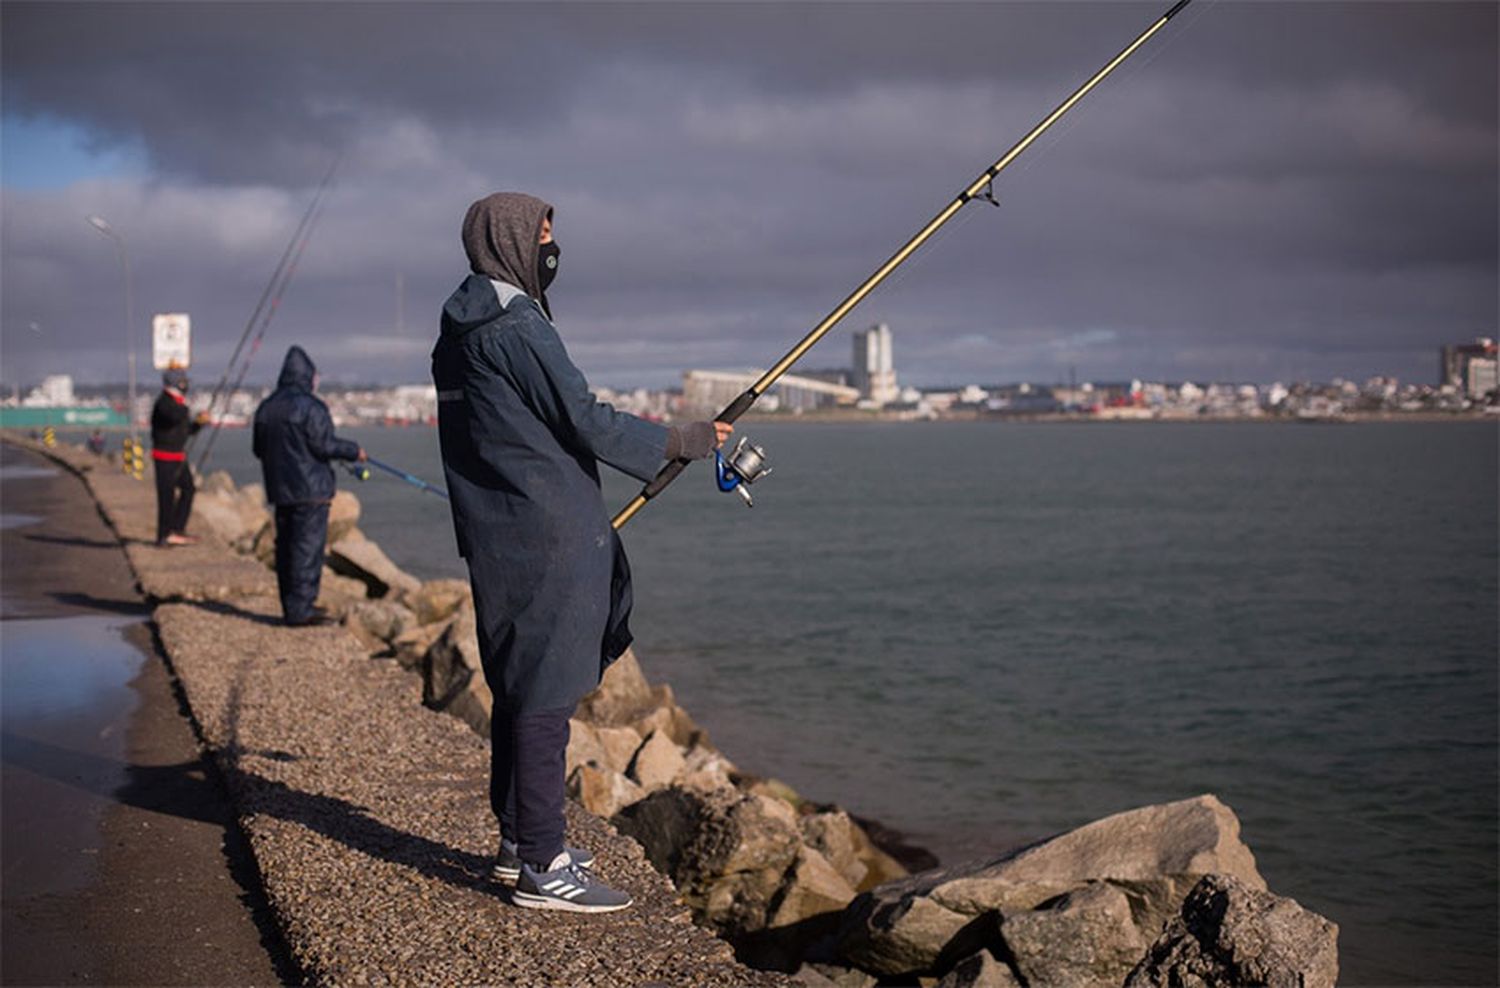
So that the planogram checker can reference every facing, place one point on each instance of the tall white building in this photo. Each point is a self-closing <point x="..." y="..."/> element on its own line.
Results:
<point x="874" y="367"/>
<point x="55" y="391"/>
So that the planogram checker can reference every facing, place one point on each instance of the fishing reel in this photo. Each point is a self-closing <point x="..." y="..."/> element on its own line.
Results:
<point x="744" y="465"/>
<point x="358" y="471"/>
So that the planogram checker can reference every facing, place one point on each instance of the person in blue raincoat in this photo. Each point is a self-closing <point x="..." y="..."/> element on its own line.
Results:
<point x="294" y="441"/>
<point x="522" y="437"/>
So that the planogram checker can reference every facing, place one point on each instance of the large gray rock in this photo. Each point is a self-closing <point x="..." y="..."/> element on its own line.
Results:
<point x="602" y="791"/>
<point x="583" y="747"/>
<point x="1231" y="934"/>
<point x="453" y="677"/>
<point x="343" y="516"/>
<point x="622" y="696"/>
<point x="880" y="867"/>
<point x="263" y="546"/>
<point x="727" y="852"/>
<point x="981" y="970"/>
<point x="612" y="748"/>
<point x="1154" y="855"/>
<point x="1087" y="939"/>
<point x="339" y="594"/>
<point x="218" y="482"/>
<point x="438" y="600"/>
<point x="227" y="515"/>
<point x="619" y="745"/>
<point x="822" y="975"/>
<point x="254" y="496"/>
<point x="410" y="646"/>
<point x="813" y="887"/>
<point x="378" y="623"/>
<point x="907" y="935"/>
<point x="705" y="767"/>
<point x="658" y="763"/>
<point x="833" y="834"/>
<point x="665" y="715"/>
<point x="357" y="557"/>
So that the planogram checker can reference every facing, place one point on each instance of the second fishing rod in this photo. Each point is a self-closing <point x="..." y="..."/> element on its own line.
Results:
<point x="746" y="463"/>
<point x="361" y="472"/>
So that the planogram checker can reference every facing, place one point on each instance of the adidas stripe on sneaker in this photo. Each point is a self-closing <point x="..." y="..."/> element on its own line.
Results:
<point x="566" y="885"/>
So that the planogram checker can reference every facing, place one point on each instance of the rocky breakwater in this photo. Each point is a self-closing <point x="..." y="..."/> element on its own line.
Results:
<point x="1138" y="895"/>
<point x="1161" y="895"/>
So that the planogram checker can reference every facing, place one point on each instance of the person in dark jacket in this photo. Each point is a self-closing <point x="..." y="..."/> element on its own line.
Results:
<point x="521" y="439"/>
<point x="294" y="441"/>
<point x="171" y="425"/>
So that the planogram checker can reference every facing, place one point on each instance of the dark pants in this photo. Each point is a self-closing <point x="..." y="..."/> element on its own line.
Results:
<point x="301" y="531"/>
<point x="527" y="763"/>
<point x="174" y="497"/>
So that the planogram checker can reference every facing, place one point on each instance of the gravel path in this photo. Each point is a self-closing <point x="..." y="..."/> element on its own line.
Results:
<point x="366" y="813"/>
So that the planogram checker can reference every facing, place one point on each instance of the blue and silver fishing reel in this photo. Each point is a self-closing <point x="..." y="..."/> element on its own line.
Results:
<point x="745" y="465"/>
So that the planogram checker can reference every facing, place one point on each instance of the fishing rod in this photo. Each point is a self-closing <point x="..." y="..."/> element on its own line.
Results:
<point x="265" y="324"/>
<point x="363" y="473"/>
<point x="280" y="278"/>
<point x="745" y="464"/>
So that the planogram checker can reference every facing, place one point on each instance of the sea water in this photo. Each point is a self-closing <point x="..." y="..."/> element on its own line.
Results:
<point x="984" y="633"/>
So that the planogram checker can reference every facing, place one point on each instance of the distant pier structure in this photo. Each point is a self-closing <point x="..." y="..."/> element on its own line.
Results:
<point x="707" y="391"/>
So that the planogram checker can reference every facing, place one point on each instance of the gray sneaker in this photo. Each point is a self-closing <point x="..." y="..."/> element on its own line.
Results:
<point x="566" y="885"/>
<point x="508" y="863"/>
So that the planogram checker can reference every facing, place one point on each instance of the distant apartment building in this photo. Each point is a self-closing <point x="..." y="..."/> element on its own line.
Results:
<point x="708" y="391"/>
<point x="55" y="391"/>
<point x="1472" y="369"/>
<point x="874" y="370"/>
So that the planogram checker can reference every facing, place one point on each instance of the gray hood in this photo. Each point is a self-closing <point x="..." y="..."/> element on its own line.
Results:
<point x="501" y="236"/>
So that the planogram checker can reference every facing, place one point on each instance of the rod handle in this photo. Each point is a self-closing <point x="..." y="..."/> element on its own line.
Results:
<point x="663" y="477"/>
<point x="669" y="473"/>
<point x="738" y="407"/>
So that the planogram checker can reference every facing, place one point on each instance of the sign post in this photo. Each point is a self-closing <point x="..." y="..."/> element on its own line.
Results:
<point x="171" y="336"/>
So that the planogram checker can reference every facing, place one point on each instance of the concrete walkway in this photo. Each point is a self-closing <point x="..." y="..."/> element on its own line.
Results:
<point x="367" y="815"/>
<point x="122" y="860"/>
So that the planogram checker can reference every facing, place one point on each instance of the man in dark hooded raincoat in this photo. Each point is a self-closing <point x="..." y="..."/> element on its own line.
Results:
<point x="294" y="441"/>
<point x="522" y="437"/>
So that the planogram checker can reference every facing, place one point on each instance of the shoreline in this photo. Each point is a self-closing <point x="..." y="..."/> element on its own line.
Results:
<point x="995" y="418"/>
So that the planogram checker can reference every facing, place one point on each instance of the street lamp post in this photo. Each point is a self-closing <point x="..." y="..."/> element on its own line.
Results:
<point x="99" y="223"/>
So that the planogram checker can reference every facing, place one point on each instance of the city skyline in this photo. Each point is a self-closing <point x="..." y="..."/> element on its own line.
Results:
<point x="1272" y="191"/>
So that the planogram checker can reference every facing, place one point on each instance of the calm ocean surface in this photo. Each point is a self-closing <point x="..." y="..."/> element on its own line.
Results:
<point x="982" y="633"/>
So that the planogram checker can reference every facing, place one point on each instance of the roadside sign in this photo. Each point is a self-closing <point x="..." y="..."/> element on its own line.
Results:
<point x="170" y="335"/>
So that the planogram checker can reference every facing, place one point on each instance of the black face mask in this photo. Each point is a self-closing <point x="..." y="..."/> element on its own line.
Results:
<point x="546" y="264"/>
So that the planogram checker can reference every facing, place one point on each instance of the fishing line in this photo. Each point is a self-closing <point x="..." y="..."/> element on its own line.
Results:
<point x="900" y="275"/>
<point x="982" y="188"/>
<point x="280" y="277"/>
<point x="1116" y="91"/>
<point x="260" y="336"/>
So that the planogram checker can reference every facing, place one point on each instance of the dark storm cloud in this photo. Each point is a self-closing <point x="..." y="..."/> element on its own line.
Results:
<point x="1273" y="189"/>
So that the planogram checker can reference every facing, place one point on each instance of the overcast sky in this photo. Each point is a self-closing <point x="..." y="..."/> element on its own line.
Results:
<point x="1268" y="190"/>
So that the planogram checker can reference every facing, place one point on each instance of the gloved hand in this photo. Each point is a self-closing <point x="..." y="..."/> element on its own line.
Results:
<point x="693" y="441"/>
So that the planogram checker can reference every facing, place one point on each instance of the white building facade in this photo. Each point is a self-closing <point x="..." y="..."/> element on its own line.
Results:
<point x="874" y="366"/>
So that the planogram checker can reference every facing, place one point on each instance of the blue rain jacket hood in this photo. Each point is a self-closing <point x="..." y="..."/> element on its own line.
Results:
<point x="522" y="438"/>
<point x="297" y="371"/>
<point x="293" y="437"/>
